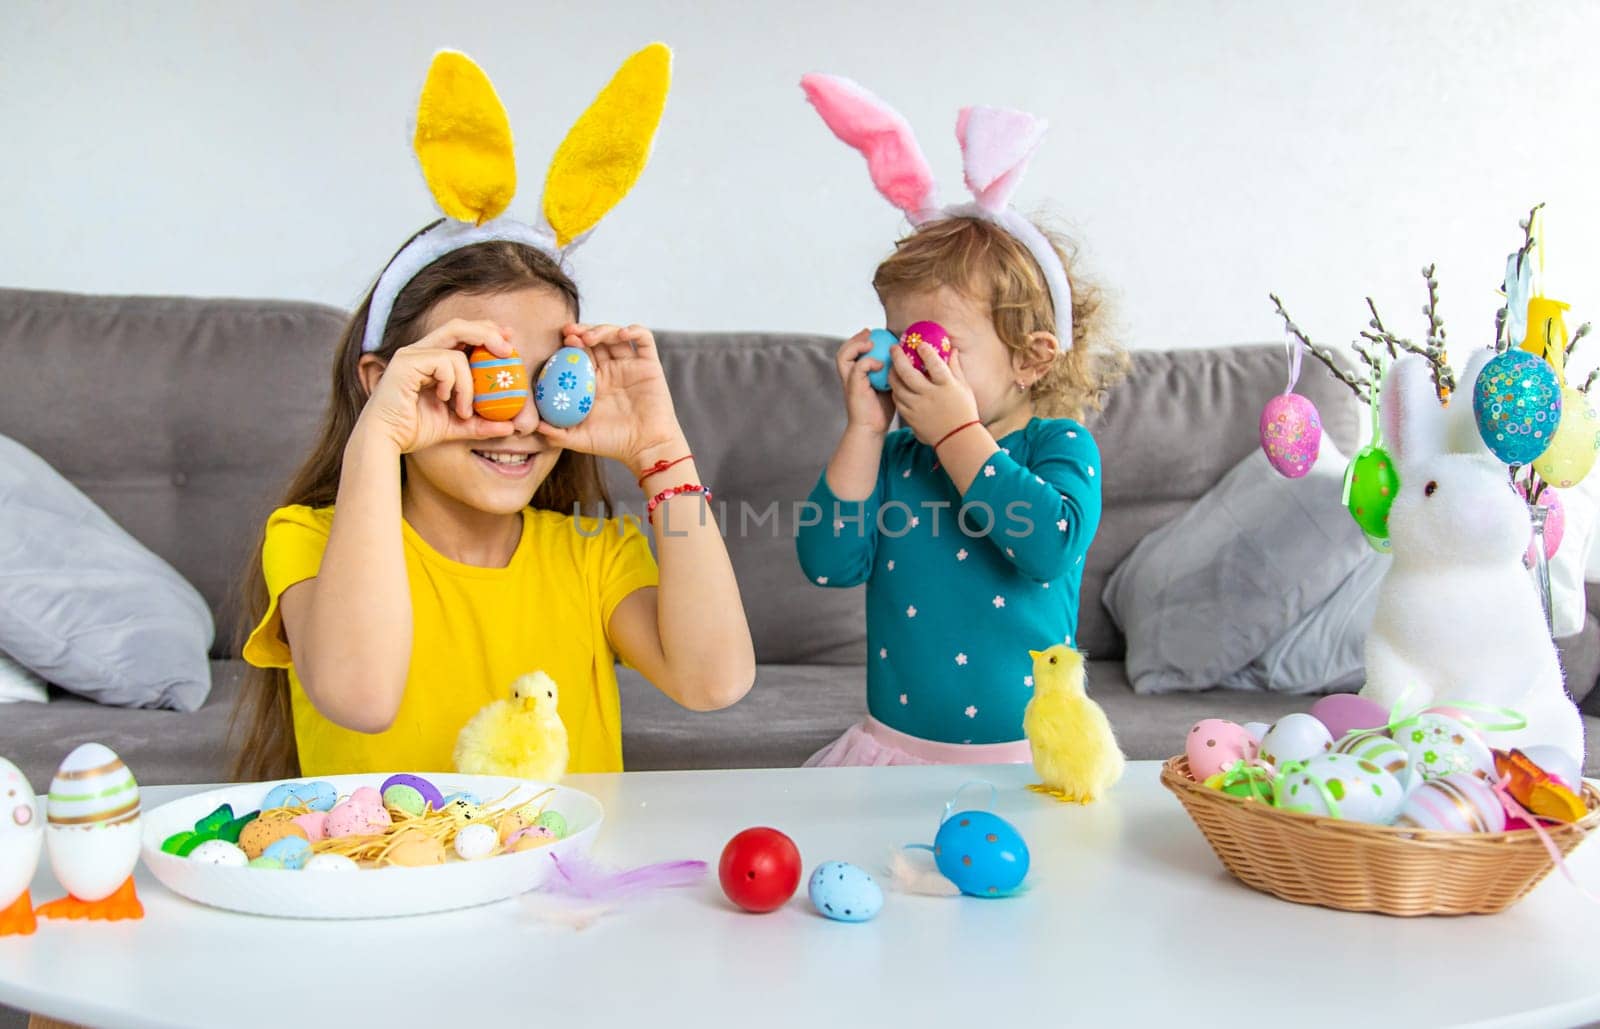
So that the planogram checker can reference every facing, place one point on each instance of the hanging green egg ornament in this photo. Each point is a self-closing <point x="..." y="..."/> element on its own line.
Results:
<point x="1370" y="484"/>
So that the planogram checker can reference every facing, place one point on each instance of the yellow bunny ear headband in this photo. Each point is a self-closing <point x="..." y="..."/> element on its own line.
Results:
<point x="463" y="143"/>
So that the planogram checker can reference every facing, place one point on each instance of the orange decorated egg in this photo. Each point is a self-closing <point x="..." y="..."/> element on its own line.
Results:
<point x="499" y="384"/>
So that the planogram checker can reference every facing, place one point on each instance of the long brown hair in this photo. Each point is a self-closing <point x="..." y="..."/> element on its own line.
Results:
<point x="261" y="732"/>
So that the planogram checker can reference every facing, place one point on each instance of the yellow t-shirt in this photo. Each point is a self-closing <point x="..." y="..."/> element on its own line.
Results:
<point x="474" y="630"/>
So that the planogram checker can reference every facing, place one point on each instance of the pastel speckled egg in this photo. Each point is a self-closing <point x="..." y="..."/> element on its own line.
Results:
<point x="331" y="863"/>
<point x="416" y="849"/>
<point x="1458" y="802"/>
<point x="1341" y="786"/>
<point x="530" y="838"/>
<point x="1440" y="745"/>
<point x="1517" y="403"/>
<point x="931" y="333"/>
<point x="318" y="796"/>
<point x="220" y="852"/>
<point x="565" y="390"/>
<point x="1374" y="745"/>
<point x="315" y="825"/>
<point x="844" y="893"/>
<point x="555" y="821"/>
<point x="426" y="790"/>
<point x="1572" y="450"/>
<point x="462" y="807"/>
<point x="499" y="385"/>
<point x="1215" y="744"/>
<point x="982" y="853"/>
<point x="1295" y="737"/>
<point x="267" y="863"/>
<point x="256" y="837"/>
<point x="883" y="343"/>
<point x="474" y="842"/>
<point x="1291" y="434"/>
<point x="92" y="811"/>
<point x="403" y="798"/>
<point x="292" y="852"/>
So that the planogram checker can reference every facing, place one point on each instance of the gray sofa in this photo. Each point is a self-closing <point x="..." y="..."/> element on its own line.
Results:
<point x="183" y="418"/>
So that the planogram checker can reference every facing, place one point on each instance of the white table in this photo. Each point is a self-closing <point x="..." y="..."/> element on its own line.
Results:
<point x="1130" y="921"/>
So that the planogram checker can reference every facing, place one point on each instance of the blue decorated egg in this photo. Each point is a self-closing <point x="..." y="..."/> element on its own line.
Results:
<point x="318" y="796"/>
<point x="844" y="893"/>
<point x="883" y="343"/>
<point x="564" y="392"/>
<point x="1517" y="403"/>
<point x="982" y="853"/>
<point x="291" y="852"/>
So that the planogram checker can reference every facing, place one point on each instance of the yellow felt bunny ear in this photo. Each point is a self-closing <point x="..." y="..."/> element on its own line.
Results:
<point x="463" y="140"/>
<point x="607" y="147"/>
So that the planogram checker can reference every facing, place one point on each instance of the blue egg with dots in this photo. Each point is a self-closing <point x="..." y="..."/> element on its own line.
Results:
<point x="291" y="852"/>
<point x="982" y="853"/>
<point x="844" y="893"/>
<point x="883" y="342"/>
<point x="565" y="390"/>
<point x="318" y="796"/>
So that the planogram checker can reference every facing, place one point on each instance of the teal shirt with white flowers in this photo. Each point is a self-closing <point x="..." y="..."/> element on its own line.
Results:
<point x="960" y="588"/>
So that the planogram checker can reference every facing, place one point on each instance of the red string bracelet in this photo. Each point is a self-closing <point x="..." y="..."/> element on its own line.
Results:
<point x="661" y="466"/>
<point x="955" y="430"/>
<point x="675" y="491"/>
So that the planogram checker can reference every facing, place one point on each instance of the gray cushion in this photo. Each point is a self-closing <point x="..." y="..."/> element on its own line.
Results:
<point x="85" y="605"/>
<point x="1325" y="651"/>
<point x="1206" y="594"/>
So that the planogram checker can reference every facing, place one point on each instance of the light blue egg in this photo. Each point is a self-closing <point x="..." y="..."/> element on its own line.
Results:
<point x="844" y="893"/>
<point x="466" y="795"/>
<point x="291" y="852"/>
<point x="982" y="853"/>
<point x="564" y="392"/>
<point x="318" y="796"/>
<point x="883" y="341"/>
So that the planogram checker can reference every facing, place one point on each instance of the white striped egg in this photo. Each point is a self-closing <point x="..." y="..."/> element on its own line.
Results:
<point x="93" y="815"/>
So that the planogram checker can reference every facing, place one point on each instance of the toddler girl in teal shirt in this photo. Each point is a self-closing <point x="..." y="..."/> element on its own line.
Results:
<point x="970" y="523"/>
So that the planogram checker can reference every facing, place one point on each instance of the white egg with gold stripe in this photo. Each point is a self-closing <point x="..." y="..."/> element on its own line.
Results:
<point x="93" y="815"/>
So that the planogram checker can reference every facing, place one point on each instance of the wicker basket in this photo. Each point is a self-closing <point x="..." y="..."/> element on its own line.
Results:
<point x="1353" y="866"/>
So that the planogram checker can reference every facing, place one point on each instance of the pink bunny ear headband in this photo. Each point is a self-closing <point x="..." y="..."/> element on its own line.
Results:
<point x="996" y="145"/>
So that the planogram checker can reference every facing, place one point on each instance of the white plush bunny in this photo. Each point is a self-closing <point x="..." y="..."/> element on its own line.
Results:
<point x="1458" y="615"/>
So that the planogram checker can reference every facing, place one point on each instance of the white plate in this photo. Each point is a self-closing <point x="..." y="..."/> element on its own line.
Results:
<point x="371" y="892"/>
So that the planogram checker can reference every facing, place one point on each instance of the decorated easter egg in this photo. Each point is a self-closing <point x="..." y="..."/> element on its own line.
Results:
<point x="499" y="385"/>
<point x="331" y="863"/>
<point x="1215" y="744"/>
<point x="21" y="842"/>
<point x="1517" y="404"/>
<point x="270" y="864"/>
<point x="220" y="852"/>
<point x="291" y="851"/>
<point x="1340" y="786"/>
<point x="1291" y="434"/>
<point x="93" y="815"/>
<point x="1375" y="745"/>
<point x="1572" y="449"/>
<point x="474" y="842"/>
<point x="264" y="832"/>
<point x="426" y="790"/>
<point x="1344" y="713"/>
<point x="356" y="818"/>
<point x="511" y="823"/>
<point x="1555" y="762"/>
<point x="565" y="390"/>
<point x="1295" y="737"/>
<point x="463" y="807"/>
<point x="1555" y="524"/>
<point x="1440" y="745"/>
<point x="1458" y="802"/>
<point x="982" y="853"/>
<point x="315" y="825"/>
<point x="931" y="333"/>
<point x="1250" y="782"/>
<point x="844" y="893"/>
<point x="405" y="799"/>
<point x="1370" y="485"/>
<point x="883" y="343"/>
<point x="555" y="821"/>
<point x="530" y="838"/>
<point x="318" y="796"/>
<point x="416" y="849"/>
<point x="760" y="870"/>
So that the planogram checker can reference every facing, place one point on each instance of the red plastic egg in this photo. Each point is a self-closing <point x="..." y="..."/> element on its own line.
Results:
<point x="931" y="333"/>
<point x="760" y="870"/>
<point x="499" y="385"/>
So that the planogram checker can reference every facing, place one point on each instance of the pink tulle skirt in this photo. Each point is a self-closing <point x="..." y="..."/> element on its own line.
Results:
<point x="871" y="743"/>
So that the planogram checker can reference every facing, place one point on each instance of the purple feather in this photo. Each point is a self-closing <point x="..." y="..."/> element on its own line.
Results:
<point x="577" y="876"/>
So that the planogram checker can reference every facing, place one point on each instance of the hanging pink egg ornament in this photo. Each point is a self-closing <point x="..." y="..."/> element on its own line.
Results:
<point x="931" y="333"/>
<point x="1555" y="523"/>
<point x="1291" y="434"/>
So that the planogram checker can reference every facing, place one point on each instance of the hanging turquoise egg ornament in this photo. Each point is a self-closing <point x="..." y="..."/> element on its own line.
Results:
<point x="1517" y="404"/>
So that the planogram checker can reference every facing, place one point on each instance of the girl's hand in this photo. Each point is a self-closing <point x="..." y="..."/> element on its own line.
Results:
<point x="425" y="393"/>
<point x="935" y="403"/>
<point x="632" y="419"/>
<point x="864" y="407"/>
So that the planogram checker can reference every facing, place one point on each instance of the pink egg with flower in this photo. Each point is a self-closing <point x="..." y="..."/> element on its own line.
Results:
<point x="1291" y="434"/>
<point x="1215" y="744"/>
<point x="931" y="333"/>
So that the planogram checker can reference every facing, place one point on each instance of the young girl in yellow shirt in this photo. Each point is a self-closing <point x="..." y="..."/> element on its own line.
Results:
<point x="426" y="557"/>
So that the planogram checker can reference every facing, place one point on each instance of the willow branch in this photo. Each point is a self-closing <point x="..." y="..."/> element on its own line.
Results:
<point x="1358" y="386"/>
<point x="1583" y="330"/>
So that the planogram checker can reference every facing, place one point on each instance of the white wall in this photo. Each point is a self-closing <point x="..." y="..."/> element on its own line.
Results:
<point x="1205" y="152"/>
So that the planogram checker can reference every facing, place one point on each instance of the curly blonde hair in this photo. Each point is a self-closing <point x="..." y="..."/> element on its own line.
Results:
<point x="982" y="261"/>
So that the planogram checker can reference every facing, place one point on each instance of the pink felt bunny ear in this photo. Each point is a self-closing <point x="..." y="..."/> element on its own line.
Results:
<point x="871" y="126"/>
<point x="996" y="145"/>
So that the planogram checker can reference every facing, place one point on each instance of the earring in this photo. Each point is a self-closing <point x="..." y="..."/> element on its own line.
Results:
<point x="1022" y="387"/>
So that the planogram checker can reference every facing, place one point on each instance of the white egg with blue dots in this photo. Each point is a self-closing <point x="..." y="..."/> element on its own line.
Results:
<point x="844" y="893"/>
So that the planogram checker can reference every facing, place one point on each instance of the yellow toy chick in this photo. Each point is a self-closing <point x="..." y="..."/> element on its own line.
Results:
<point x="1074" y="749"/>
<point x="522" y="737"/>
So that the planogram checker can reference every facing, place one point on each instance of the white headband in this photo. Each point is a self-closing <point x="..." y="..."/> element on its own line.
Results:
<point x="996" y="146"/>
